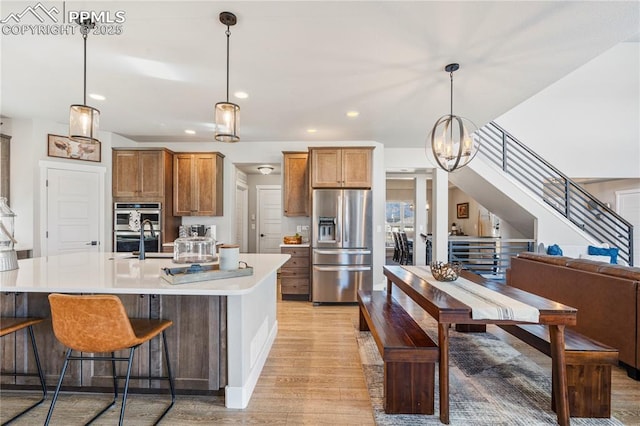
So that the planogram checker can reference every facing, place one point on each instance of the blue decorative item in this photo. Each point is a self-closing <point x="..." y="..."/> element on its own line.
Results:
<point x="554" y="250"/>
<point x="599" y="251"/>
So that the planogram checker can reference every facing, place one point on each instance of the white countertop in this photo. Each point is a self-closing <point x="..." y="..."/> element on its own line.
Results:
<point x="295" y="245"/>
<point x="119" y="273"/>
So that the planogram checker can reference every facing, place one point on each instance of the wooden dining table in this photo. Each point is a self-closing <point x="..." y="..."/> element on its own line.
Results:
<point x="448" y="310"/>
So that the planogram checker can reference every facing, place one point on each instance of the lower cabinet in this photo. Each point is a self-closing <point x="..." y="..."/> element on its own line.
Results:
<point x="294" y="275"/>
<point x="196" y="341"/>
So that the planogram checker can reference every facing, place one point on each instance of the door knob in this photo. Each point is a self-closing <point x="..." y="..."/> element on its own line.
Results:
<point x="262" y="235"/>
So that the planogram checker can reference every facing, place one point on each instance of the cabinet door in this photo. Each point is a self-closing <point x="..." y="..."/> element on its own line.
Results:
<point x="356" y="167"/>
<point x="205" y="185"/>
<point x="194" y="341"/>
<point x="296" y="184"/>
<point x="183" y="183"/>
<point x="126" y="171"/>
<point x="151" y="174"/>
<point x="8" y="342"/>
<point x="326" y="169"/>
<point x="99" y="373"/>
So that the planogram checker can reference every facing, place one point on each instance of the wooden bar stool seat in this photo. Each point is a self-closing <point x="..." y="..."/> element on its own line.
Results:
<point x="12" y="325"/>
<point x="99" y="324"/>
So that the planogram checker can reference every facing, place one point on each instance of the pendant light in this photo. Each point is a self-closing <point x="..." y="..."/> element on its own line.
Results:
<point x="227" y="114"/>
<point x="83" y="119"/>
<point x="454" y="141"/>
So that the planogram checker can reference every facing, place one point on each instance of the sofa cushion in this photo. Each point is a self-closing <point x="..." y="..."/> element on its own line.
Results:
<point x="546" y="258"/>
<point x="628" y="272"/>
<point x="585" y="265"/>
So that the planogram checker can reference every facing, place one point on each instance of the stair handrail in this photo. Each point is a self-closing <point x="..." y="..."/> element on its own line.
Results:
<point x="539" y="176"/>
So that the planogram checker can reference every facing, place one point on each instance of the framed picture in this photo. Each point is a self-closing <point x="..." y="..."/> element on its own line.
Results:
<point x="63" y="147"/>
<point x="463" y="210"/>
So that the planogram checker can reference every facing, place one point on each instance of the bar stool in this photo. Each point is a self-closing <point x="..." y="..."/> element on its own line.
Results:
<point x="99" y="323"/>
<point x="12" y="325"/>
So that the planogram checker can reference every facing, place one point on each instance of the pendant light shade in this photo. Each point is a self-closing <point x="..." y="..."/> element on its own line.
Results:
<point x="84" y="120"/>
<point x="454" y="141"/>
<point x="227" y="114"/>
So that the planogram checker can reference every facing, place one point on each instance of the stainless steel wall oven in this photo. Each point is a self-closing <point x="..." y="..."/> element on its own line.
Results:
<point x="128" y="218"/>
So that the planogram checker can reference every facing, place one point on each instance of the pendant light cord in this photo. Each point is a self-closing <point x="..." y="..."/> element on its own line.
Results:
<point x="228" y="33"/>
<point x="84" y="36"/>
<point x="451" y="94"/>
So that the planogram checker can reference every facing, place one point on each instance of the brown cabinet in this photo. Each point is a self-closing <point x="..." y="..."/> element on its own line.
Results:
<point x="295" y="196"/>
<point x="341" y="167"/>
<point x="294" y="275"/>
<point x="198" y="184"/>
<point x="141" y="175"/>
<point x="196" y="342"/>
<point x="146" y="175"/>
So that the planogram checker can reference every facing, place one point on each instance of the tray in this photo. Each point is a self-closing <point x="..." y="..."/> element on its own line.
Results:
<point x="196" y="272"/>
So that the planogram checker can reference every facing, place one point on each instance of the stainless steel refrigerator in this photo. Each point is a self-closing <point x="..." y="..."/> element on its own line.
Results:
<point x="341" y="242"/>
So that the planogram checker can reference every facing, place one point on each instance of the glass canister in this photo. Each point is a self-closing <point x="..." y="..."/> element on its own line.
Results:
<point x="194" y="249"/>
<point x="8" y="255"/>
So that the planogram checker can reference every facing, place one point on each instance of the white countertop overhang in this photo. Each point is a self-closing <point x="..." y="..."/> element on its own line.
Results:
<point x="121" y="273"/>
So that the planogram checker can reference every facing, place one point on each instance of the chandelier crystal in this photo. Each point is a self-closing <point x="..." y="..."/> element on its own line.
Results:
<point x="454" y="141"/>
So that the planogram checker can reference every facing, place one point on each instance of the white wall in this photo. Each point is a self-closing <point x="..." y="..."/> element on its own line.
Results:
<point x="588" y="123"/>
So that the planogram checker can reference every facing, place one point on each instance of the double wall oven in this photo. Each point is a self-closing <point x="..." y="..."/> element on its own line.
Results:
<point x="128" y="219"/>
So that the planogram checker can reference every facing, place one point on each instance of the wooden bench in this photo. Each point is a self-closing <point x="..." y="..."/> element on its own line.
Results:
<point x="588" y="368"/>
<point x="409" y="355"/>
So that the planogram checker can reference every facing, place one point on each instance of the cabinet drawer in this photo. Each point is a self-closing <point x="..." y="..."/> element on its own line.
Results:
<point x="297" y="262"/>
<point x="294" y="272"/>
<point x="295" y="251"/>
<point x="294" y="286"/>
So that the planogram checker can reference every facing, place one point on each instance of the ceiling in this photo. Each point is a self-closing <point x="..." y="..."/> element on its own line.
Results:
<point x="304" y="64"/>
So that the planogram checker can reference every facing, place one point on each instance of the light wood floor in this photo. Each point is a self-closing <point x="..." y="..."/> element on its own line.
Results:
<point x="312" y="376"/>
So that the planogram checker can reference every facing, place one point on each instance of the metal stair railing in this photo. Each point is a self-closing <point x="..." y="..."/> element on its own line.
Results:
<point x="557" y="190"/>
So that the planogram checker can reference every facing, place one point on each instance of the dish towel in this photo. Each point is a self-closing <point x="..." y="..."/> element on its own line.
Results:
<point x="484" y="303"/>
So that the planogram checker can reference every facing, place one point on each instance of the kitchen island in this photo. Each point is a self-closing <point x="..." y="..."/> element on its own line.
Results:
<point x="222" y="334"/>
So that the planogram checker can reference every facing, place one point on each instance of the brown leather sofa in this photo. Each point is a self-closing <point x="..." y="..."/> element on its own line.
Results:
<point x="607" y="298"/>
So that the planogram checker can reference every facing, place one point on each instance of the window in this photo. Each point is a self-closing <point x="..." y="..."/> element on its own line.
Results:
<point x="399" y="217"/>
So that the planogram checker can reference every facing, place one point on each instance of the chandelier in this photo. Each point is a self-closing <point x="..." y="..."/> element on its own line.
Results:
<point x="454" y="140"/>
<point x="83" y="119"/>
<point x="227" y="114"/>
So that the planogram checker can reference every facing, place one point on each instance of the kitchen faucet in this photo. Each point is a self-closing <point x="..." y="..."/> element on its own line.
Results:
<point x="153" y="234"/>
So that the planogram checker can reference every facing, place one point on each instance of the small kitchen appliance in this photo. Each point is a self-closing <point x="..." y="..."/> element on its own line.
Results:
<point x="8" y="255"/>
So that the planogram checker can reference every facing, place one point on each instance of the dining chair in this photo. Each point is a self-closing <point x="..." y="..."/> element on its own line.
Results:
<point x="406" y="250"/>
<point x="396" y="247"/>
<point x="13" y="325"/>
<point x="99" y="324"/>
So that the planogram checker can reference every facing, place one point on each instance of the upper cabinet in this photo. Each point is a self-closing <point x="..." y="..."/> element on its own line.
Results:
<point x="141" y="175"/>
<point x="341" y="167"/>
<point x="295" y="196"/>
<point x="198" y="184"/>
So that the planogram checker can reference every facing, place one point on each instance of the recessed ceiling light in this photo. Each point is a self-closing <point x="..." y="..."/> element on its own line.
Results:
<point x="241" y="95"/>
<point x="190" y="132"/>
<point x="97" y="97"/>
<point x="312" y="130"/>
<point x="352" y="114"/>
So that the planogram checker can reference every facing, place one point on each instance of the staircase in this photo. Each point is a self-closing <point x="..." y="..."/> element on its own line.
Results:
<point x="556" y="197"/>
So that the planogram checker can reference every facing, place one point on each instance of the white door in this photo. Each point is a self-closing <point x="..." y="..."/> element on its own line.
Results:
<point x="242" y="219"/>
<point x="628" y="206"/>
<point x="73" y="211"/>
<point x="269" y="218"/>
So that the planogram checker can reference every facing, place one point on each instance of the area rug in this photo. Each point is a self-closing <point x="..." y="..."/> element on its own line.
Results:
<point x="490" y="383"/>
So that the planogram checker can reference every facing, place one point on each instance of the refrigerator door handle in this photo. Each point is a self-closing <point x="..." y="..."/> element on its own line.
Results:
<point x="339" y="220"/>
<point x="342" y="251"/>
<point x="341" y="268"/>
